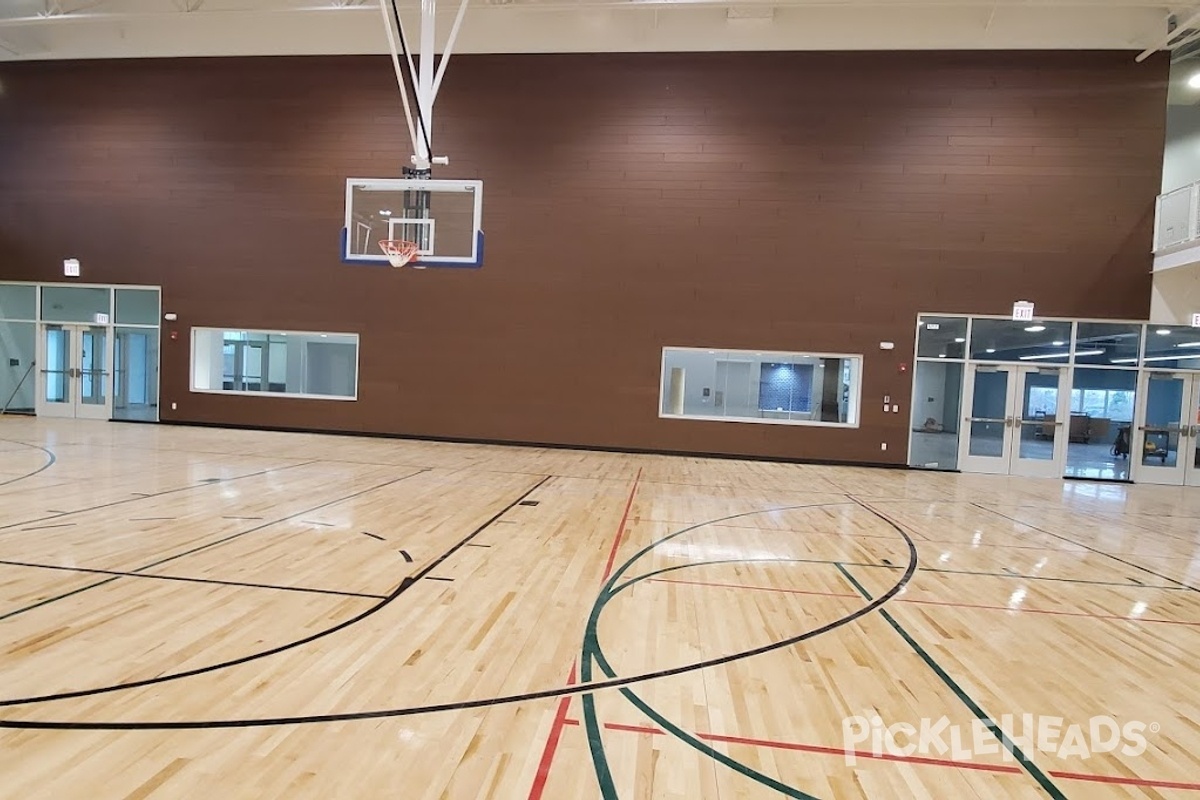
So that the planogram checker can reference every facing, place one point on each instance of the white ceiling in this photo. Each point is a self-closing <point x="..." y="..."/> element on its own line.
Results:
<point x="60" y="29"/>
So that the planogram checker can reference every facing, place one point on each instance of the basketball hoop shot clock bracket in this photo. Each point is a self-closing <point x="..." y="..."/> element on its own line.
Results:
<point x="414" y="219"/>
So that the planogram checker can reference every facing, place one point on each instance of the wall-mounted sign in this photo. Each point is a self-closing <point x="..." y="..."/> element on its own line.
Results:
<point x="1196" y="320"/>
<point x="1022" y="311"/>
<point x="71" y="267"/>
<point x="101" y="318"/>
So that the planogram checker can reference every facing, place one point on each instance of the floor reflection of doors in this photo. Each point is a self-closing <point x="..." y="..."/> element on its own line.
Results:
<point x="1166" y="448"/>
<point x="73" y="376"/>
<point x="1014" y="423"/>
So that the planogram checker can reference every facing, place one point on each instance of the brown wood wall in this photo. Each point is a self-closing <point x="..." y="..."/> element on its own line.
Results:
<point x="799" y="201"/>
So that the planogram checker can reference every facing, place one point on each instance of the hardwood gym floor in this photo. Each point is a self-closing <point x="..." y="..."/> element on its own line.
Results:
<point x="192" y="612"/>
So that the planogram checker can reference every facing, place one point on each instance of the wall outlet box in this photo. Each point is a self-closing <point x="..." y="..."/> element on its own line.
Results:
<point x="883" y="445"/>
<point x="174" y="406"/>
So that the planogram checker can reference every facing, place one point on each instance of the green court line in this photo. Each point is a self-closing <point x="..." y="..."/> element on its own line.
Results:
<point x="592" y="655"/>
<point x="979" y="713"/>
<point x="593" y="648"/>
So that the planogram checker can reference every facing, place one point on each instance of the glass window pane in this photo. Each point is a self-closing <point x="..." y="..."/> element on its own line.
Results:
<point x="1007" y="340"/>
<point x="18" y="344"/>
<point x="1173" y="347"/>
<point x="942" y="337"/>
<point x="936" y="407"/>
<point x="751" y="386"/>
<point x="137" y="307"/>
<point x="135" y="373"/>
<point x="18" y="302"/>
<point x="1098" y="446"/>
<point x="315" y="365"/>
<point x="73" y="303"/>
<point x="1108" y="343"/>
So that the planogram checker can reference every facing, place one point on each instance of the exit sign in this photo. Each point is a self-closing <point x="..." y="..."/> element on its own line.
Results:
<point x="1022" y="311"/>
<point x="1196" y="320"/>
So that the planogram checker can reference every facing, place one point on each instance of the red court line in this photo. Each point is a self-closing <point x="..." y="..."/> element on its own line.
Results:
<point x="560" y="719"/>
<point x="1049" y="612"/>
<point x="612" y="554"/>
<point x="936" y="762"/>
<point x="812" y="748"/>
<point x="560" y="715"/>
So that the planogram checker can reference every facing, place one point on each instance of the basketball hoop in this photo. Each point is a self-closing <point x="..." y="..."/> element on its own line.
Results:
<point x="399" y="252"/>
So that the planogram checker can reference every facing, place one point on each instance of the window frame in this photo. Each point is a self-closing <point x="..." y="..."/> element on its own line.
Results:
<point x="853" y="405"/>
<point x="266" y="333"/>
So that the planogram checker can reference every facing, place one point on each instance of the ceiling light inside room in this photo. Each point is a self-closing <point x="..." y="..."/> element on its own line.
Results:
<point x="1194" y="81"/>
<point x="1036" y="328"/>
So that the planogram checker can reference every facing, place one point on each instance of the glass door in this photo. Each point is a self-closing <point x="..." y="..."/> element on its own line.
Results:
<point x="1015" y="421"/>
<point x="56" y="392"/>
<point x="1040" y="436"/>
<point x="1166" y="449"/>
<point x="74" y="379"/>
<point x="1191" y="473"/>
<point x="986" y="445"/>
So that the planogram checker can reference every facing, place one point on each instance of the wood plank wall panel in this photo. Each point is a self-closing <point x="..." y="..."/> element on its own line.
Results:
<point x="801" y="201"/>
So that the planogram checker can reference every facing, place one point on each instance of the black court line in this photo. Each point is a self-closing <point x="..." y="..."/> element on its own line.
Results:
<point x="47" y="527"/>
<point x="208" y="545"/>
<point x="180" y="578"/>
<point x="432" y="578"/>
<point x="242" y="518"/>
<point x="143" y="495"/>
<point x="407" y="557"/>
<point x="473" y="544"/>
<point x="373" y="536"/>
<point x="405" y="584"/>
<point x="322" y="524"/>
<point x="1089" y="548"/>
<point x="460" y="705"/>
<point x="47" y="601"/>
<point x="50" y="460"/>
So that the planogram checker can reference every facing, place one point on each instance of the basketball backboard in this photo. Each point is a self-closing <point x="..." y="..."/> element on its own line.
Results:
<point x="442" y="216"/>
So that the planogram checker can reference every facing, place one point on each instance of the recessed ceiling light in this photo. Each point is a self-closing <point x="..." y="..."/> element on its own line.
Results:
<point x="991" y="350"/>
<point x="959" y="340"/>
<point x="1036" y="328"/>
<point x="1163" y="331"/>
<point x="1057" y="343"/>
<point x="941" y="355"/>
<point x="383" y="212"/>
<point x="1194" y="81"/>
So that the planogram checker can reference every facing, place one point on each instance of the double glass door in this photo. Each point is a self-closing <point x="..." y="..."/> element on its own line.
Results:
<point x="74" y="379"/>
<point x="1014" y="421"/>
<point x="1166" y="447"/>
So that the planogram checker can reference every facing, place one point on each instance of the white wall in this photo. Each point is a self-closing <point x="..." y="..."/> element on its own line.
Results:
<point x="1181" y="158"/>
<point x="1175" y="295"/>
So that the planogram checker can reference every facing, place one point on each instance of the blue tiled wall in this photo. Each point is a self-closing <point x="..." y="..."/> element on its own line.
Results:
<point x="786" y="387"/>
